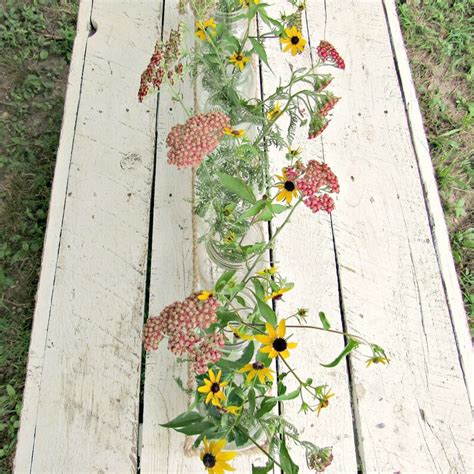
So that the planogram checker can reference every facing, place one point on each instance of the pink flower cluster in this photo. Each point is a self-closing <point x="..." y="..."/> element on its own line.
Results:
<point x="318" y="121"/>
<point x="184" y="323"/>
<point x="312" y="180"/>
<point x="189" y="143"/>
<point x="327" y="52"/>
<point x="318" y="176"/>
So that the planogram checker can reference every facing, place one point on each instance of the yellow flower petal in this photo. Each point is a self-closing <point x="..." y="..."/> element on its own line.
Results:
<point x="281" y="331"/>
<point x="270" y="331"/>
<point x="212" y="376"/>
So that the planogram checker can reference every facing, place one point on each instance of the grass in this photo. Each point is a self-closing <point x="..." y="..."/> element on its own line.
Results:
<point x="439" y="38"/>
<point x="36" y="40"/>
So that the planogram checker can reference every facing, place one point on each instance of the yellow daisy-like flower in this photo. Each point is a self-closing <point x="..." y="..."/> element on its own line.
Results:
<point x="213" y="457"/>
<point x="240" y="334"/>
<point x="230" y="237"/>
<point x="268" y="271"/>
<point x="232" y="409"/>
<point x="293" y="41"/>
<point x="234" y="132"/>
<point x="294" y="152"/>
<point x="324" y="401"/>
<point x="276" y="295"/>
<point x="377" y="360"/>
<point x="239" y="60"/>
<point x="213" y="387"/>
<point x="287" y="189"/>
<point x="246" y="3"/>
<point x="274" y="342"/>
<point x="275" y="112"/>
<point x="257" y="369"/>
<point x="208" y="27"/>
<point x="205" y="295"/>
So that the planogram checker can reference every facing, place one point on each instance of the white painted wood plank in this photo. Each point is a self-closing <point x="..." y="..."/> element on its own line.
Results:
<point x="437" y="221"/>
<point x="413" y="416"/>
<point x="171" y="279"/>
<point x="51" y="244"/>
<point x="85" y="413"/>
<point x="304" y="253"/>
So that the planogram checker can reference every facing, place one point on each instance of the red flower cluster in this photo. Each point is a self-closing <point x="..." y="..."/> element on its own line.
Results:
<point x="184" y="323"/>
<point x="318" y="123"/>
<point x="164" y="61"/>
<point x="317" y="178"/>
<point x="189" y="143"/>
<point x="327" y="52"/>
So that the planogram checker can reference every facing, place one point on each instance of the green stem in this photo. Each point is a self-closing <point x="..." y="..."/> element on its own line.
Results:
<point x="264" y="451"/>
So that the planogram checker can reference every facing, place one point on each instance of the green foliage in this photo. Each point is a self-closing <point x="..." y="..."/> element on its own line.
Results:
<point x="439" y="36"/>
<point x="36" y="40"/>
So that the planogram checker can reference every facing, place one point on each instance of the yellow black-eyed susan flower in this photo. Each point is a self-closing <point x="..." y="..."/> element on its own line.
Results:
<point x="324" y="401"/>
<point x="213" y="457"/>
<point x="213" y="387"/>
<point x="257" y="369"/>
<point x="268" y="271"/>
<point x="232" y="409"/>
<point x="274" y="342"/>
<point x="205" y="295"/>
<point x="377" y="360"/>
<point x="276" y="295"/>
<point x="209" y="27"/>
<point x="275" y="112"/>
<point x="236" y="133"/>
<point x="293" y="41"/>
<point x="239" y="60"/>
<point x="240" y="334"/>
<point x="287" y="188"/>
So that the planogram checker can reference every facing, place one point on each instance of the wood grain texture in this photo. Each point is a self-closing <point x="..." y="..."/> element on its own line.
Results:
<point x="51" y="244"/>
<point x="437" y="221"/>
<point x="85" y="415"/>
<point x="304" y="253"/>
<point x="414" y="415"/>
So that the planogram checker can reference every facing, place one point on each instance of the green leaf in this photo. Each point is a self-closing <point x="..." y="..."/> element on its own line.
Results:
<point x="237" y="187"/>
<point x="195" y="428"/>
<point x="324" y="321"/>
<point x="262" y="469"/>
<point x="43" y="54"/>
<point x="267" y="405"/>
<point x="287" y="396"/>
<point x="254" y="210"/>
<point x="225" y="316"/>
<point x="266" y="215"/>
<point x="183" y="420"/>
<point x="279" y="208"/>
<point x="252" y="401"/>
<point x="237" y="364"/>
<point x="224" y="279"/>
<point x="11" y="391"/>
<point x="351" y="345"/>
<point x="260" y="50"/>
<point x="267" y="313"/>
<point x="289" y="467"/>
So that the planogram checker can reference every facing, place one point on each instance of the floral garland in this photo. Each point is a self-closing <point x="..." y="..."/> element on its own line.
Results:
<point x="231" y="334"/>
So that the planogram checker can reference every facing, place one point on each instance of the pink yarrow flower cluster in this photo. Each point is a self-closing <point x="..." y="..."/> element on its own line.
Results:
<point x="327" y="52"/>
<point x="185" y="323"/>
<point x="318" y="121"/>
<point x="314" y="181"/>
<point x="189" y="143"/>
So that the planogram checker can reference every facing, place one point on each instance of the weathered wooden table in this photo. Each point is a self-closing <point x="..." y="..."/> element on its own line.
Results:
<point x="119" y="242"/>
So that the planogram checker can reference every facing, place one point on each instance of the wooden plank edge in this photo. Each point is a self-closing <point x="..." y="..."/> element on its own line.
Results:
<point x="439" y="229"/>
<point x="26" y="434"/>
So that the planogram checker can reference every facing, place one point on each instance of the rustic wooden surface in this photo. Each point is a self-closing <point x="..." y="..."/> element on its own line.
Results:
<point x="380" y="266"/>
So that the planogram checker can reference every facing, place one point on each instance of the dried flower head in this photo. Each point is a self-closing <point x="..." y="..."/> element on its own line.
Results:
<point x="318" y="459"/>
<point x="189" y="143"/>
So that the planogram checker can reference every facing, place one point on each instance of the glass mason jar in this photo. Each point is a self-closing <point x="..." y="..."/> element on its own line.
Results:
<point x="228" y="257"/>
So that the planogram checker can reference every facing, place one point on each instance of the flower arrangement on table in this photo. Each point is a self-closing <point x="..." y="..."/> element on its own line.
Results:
<point x="231" y="334"/>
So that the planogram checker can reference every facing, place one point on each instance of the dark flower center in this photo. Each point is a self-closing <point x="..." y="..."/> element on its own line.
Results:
<point x="289" y="186"/>
<point x="280" y="344"/>
<point x="238" y="57"/>
<point x="235" y="132"/>
<point x="295" y="40"/>
<point x="209" y="460"/>
<point x="215" y="387"/>
<point x="258" y="365"/>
